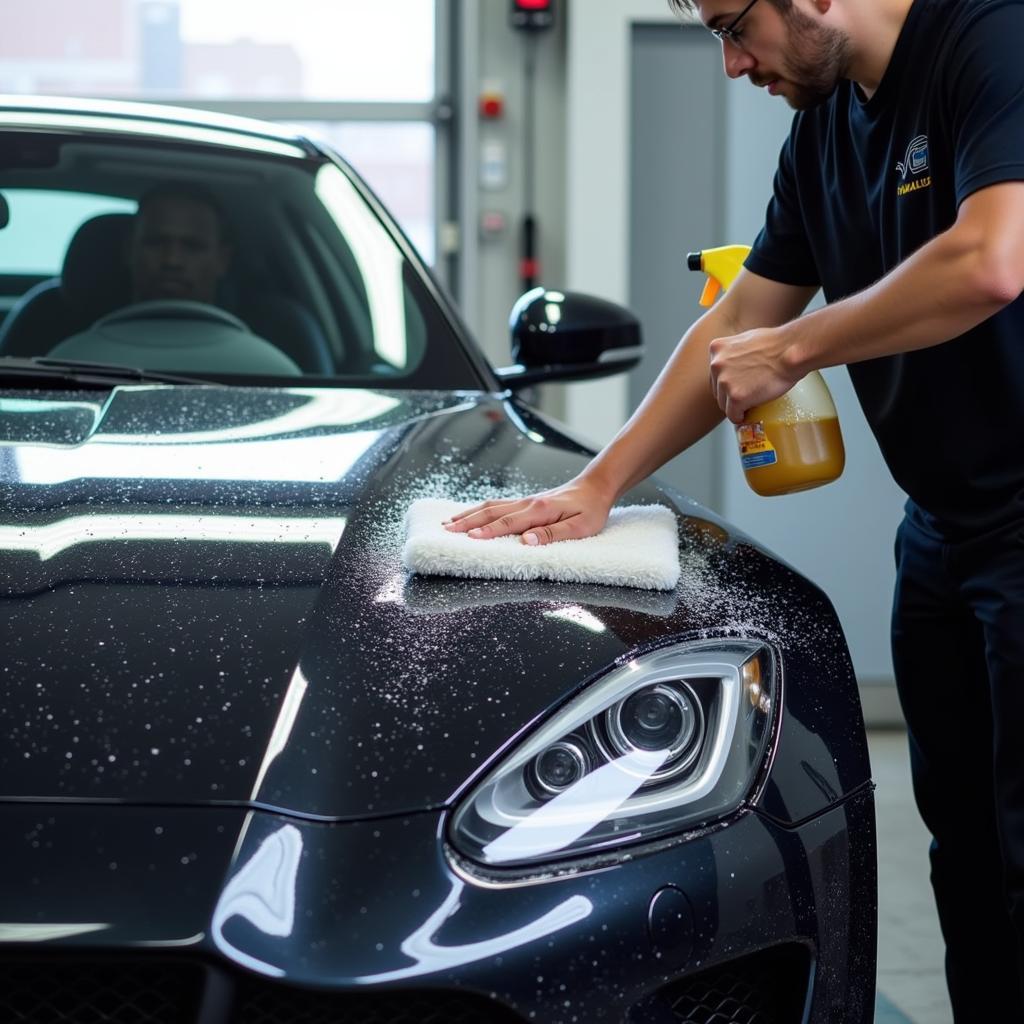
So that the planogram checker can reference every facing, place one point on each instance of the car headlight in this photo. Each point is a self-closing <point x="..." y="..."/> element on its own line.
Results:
<point x="671" y="740"/>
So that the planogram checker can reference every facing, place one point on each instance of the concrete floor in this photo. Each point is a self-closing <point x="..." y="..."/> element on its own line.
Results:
<point x="911" y="982"/>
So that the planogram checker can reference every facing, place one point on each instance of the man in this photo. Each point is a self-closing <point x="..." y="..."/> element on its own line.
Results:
<point x="900" y="192"/>
<point x="179" y="247"/>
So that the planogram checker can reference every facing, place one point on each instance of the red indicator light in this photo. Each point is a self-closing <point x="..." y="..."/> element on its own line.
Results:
<point x="533" y="15"/>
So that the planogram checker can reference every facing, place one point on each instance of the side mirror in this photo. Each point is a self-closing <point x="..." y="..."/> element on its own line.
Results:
<point x="569" y="336"/>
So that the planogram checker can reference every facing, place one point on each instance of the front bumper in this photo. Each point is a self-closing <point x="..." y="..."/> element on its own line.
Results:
<point x="371" y="914"/>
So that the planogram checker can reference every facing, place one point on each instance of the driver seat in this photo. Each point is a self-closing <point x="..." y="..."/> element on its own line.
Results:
<point x="93" y="282"/>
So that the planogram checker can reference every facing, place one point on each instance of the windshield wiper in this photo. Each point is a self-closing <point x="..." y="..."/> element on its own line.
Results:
<point x="74" y="371"/>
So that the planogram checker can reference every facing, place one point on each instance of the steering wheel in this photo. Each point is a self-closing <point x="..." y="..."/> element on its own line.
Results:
<point x="174" y="309"/>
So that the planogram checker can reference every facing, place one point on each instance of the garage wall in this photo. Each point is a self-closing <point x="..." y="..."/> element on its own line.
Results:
<point x="494" y="56"/>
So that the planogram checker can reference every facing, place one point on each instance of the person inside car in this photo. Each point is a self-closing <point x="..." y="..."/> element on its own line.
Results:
<point x="178" y="251"/>
<point x="179" y="246"/>
<point x="182" y="248"/>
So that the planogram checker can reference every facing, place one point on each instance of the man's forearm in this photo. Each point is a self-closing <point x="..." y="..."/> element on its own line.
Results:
<point x="678" y="411"/>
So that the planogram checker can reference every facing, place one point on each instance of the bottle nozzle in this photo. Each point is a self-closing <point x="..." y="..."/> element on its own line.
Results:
<point x="722" y="265"/>
<point x="712" y="287"/>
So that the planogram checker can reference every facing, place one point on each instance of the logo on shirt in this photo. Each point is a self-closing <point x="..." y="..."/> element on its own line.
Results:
<point x="916" y="159"/>
<point x="914" y="163"/>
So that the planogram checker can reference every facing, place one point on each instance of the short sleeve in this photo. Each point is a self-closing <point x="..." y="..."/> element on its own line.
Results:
<point x="782" y="252"/>
<point x="986" y="97"/>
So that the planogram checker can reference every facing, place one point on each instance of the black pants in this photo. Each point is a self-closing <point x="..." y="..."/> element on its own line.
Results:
<point x="958" y="650"/>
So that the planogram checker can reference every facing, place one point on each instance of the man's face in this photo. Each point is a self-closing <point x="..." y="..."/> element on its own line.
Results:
<point x="177" y="251"/>
<point x="790" y="53"/>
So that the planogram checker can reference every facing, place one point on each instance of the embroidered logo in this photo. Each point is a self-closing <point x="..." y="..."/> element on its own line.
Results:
<point x="915" y="162"/>
<point x="916" y="159"/>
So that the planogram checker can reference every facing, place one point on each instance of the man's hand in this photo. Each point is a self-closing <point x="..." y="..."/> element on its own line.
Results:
<point x="748" y="369"/>
<point x="574" y="510"/>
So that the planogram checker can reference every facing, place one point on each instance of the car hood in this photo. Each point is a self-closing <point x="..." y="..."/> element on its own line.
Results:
<point x="202" y="600"/>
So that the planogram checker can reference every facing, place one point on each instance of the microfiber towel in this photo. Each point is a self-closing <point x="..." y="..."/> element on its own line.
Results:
<point x="638" y="547"/>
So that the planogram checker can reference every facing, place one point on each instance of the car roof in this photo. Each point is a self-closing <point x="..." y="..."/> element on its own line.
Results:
<point x="151" y="120"/>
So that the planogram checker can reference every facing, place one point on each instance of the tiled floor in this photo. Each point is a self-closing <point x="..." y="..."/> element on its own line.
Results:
<point x="911" y="984"/>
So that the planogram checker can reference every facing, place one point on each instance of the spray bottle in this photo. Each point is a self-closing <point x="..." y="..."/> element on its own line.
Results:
<point x="792" y="443"/>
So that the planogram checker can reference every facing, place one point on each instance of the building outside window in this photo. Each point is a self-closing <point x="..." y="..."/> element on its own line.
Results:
<point x="364" y="76"/>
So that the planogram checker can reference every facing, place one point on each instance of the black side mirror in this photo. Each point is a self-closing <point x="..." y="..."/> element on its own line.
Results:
<point x="569" y="336"/>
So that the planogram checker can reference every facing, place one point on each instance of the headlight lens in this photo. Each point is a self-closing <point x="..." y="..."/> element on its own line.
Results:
<point x="554" y="770"/>
<point x="669" y="741"/>
<point x="660" y="717"/>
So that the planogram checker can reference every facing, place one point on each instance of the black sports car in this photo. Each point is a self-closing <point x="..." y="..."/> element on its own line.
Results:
<point x="252" y="770"/>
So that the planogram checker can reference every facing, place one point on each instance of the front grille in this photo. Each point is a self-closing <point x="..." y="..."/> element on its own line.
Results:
<point x="71" y="991"/>
<point x="61" y="992"/>
<point x="766" y="988"/>
<point x="268" y="1004"/>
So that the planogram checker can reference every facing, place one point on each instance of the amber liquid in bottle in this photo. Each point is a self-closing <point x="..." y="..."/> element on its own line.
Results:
<point x="808" y="453"/>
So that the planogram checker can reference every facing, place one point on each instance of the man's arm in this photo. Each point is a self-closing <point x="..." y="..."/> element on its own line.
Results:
<point x="954" y="282"/>
<point x="680" y="407"/>
<point x="678" y="410"/>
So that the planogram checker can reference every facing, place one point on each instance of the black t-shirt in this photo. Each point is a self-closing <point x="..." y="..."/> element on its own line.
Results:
<point x="861" y="186"/>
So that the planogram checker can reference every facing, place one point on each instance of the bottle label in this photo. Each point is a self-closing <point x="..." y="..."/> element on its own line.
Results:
<point x="755" y="448"/>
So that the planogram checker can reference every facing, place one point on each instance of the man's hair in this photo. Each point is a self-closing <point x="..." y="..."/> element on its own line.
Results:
<point x="189" y="193"/>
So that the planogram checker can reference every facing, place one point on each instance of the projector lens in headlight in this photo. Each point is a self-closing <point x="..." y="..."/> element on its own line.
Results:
<point x="661" y="717"/>
<point x="654" y="719"/>
<point x="558" y="767"/>
<point x="671" y="740"/>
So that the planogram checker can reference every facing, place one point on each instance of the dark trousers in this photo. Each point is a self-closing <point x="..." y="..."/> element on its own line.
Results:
<point x="958" y="650"/>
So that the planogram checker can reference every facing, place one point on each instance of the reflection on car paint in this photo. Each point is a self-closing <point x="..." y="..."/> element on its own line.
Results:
<point x="52" y="539"/>
<point x="425" y="596"/>
<point x="580" y="616"/>
<point x="282" y="728"/>
<point x="29" y="932"/>
<point x="431" y="956"/>
<point x="262" y="892"/>
<point x="24" y="420"/>
<point x="284" y="460"/>
<point x="513" y="414"/>
<point x="318" y="409"/>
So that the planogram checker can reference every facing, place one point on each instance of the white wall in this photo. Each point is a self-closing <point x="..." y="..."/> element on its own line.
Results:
<point x="841" y="535"/>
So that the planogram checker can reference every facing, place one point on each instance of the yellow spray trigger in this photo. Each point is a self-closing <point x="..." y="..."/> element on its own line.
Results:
<point x="722" y="265"/>
<point x="712" y="286"/>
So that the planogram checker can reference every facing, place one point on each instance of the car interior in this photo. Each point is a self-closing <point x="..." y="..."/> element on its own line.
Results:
<point x="316" y="287"/>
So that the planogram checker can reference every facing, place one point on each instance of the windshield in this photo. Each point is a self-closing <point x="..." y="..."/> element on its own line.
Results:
<point x="222" y="264"/>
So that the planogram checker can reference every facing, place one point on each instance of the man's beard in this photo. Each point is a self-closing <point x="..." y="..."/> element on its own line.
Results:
<point x="818" y="58"/>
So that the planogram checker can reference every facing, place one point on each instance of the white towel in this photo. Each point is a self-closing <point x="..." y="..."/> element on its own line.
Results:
<point x="638" y="547"/>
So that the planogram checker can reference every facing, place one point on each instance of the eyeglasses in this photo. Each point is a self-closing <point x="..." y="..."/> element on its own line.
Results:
<point x="729" y="32"/>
